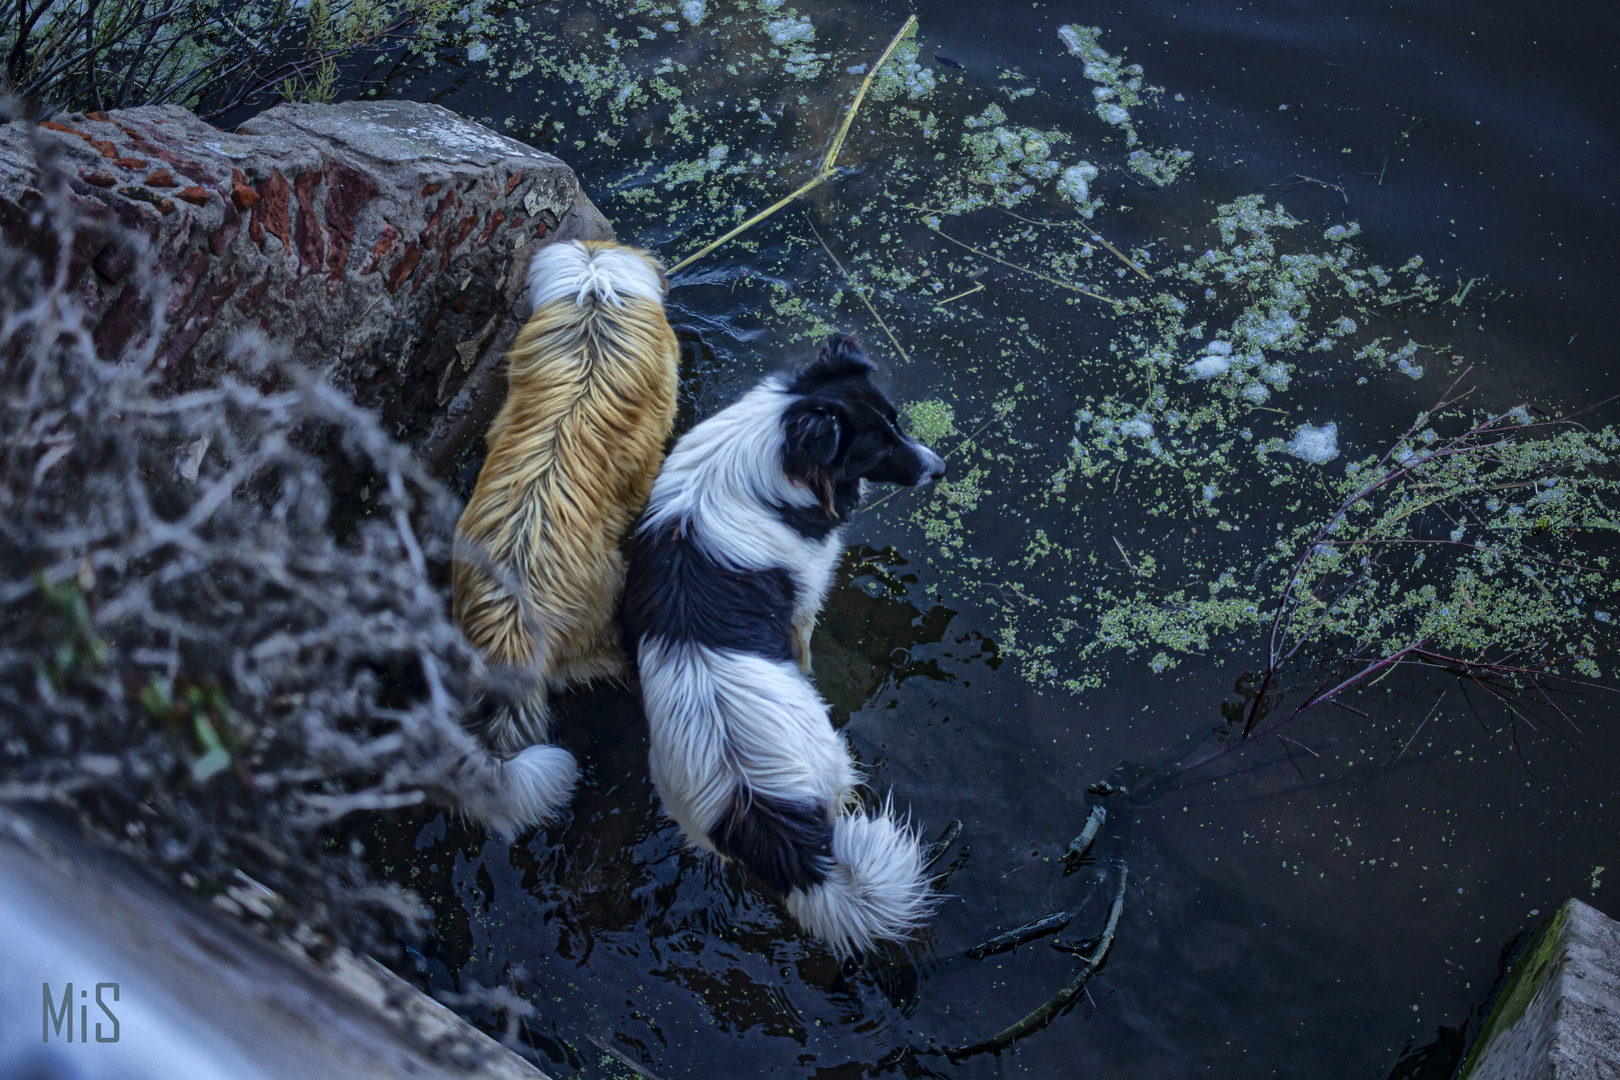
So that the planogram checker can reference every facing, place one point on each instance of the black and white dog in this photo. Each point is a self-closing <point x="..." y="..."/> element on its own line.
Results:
<point x="732" y="561"/>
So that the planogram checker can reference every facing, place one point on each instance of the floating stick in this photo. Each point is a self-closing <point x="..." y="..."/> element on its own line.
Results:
<point x="1062" y="999"/>
<point x="1082" y="843"/>
<point x="1022" y="935"/>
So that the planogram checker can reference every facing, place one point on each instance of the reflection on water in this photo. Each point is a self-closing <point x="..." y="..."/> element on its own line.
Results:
<point x="1344" y="896"/>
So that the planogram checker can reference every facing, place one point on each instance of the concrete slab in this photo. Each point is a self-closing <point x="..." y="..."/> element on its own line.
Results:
<point x="147" y="983"/>
<point x="1558" y="1016"/>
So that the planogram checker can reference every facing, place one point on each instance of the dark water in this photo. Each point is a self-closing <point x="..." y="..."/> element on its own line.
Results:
<point x="1335" y="906"/>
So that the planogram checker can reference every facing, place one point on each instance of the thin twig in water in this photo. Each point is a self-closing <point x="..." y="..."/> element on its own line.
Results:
<point x="1299" y="744"/>
<point x="1022" y="935"/>
<point x="1313" y="180"/>
<point x="1419" y="730"/>
<point x="1095" y="235"/>
<point x="1044" y="1015"/>
<point x="622" y="1058"/>
<point x="945" y="456"/>
<point x="1122" y="554"/>
<point x="1124" y="258"/>
<point x="958" y="296"/>
<point x="829" y="164"/>
<point x="1026" y="270"/>
<point x="936" y="851"/>
<point x="856" y="288"/>
<point x="1289" y="751"/>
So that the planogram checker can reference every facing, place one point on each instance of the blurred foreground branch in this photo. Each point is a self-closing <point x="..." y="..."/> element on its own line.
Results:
<point x="202" y="654"/>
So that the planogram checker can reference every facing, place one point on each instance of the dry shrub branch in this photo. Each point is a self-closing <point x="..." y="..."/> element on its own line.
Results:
<point x="201" y="654"/>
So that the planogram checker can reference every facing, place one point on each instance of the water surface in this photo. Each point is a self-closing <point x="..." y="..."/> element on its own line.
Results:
<point x="1334" y="906"/>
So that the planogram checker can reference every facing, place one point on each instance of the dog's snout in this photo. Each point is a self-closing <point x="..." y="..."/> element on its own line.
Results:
<point x="933" y="466"/>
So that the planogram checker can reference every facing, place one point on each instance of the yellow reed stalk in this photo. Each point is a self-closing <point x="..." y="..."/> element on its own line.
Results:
<point x="965" y="292"/>
<point x="829" y="164"/>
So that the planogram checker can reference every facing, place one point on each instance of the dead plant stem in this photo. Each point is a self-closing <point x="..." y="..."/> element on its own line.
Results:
<point x="1044" y="1015"/>
<point x="829" y="164"/>
<point x="856" y="288"/>
<point x="1026" y="270"/>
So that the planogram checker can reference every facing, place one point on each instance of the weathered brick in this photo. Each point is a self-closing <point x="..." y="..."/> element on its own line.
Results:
<point x="347" y="192"/>
<point x="402" y="269"/>
<point x="201" y="317"/>
<point x="270" y="213"/>
<point x="219" y="241"/>
<point x="490" y="226"/>
<point x="308" y="236"/>
<point x="432" y="226"/>
<point x="385" y="243"/>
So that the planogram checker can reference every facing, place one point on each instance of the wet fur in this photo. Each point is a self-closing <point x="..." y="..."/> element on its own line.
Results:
<point x="731" y="564"/>
<point x="572" y="457"/>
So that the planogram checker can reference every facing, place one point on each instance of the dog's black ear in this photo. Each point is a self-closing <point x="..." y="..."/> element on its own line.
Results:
<point x="841" y="356"/>
<point x="813" y="436"/>
<point x="813" y="448"/>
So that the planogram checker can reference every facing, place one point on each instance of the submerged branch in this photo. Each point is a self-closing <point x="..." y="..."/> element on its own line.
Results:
<point x="1061" y="1000"/>
<point x="1020" y="935"/>
<point x="936" y="850"/>
<point x="1082" y="843"/>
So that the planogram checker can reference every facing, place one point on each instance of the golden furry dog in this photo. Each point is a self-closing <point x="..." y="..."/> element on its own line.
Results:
<point x="572" y="457"/>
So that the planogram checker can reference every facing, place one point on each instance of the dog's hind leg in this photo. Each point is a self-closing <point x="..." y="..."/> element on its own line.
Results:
<point x="604" y="661"/>
<point x="589" y="655"/>
<point x="804" y="628"/>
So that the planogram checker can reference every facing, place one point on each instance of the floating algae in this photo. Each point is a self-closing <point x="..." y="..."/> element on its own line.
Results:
<point x="1090" y="395"/>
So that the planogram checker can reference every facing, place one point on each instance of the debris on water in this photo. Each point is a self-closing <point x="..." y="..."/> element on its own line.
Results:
<point x="1120" y="88"/>
<point x="1021" y="935"/>
<point x="1403" y="361"/>
<point x="936" y="850"/>
<point x="1075" y="183"/>
<point x="789" y="29"/>
<point x="1318" y="445"/>
<point x="904" y="74"/>
<point x="1216" y="361"/>
<point x="1088" y="833"/>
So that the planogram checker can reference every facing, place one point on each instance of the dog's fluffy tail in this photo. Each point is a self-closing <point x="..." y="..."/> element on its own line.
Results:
<point x="529" y="788"/>
<point x="594" y="272"/>
<point x="876" y="889"/>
